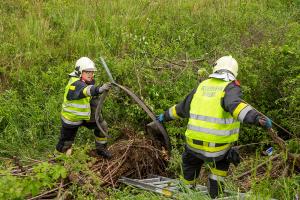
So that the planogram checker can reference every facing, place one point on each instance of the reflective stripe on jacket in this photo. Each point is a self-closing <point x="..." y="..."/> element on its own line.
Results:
<point x="75" y="110"/>
<point x="210" y="128"/>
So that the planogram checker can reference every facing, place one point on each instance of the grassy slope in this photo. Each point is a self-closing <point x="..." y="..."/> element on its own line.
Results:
<point x="41" y="40"/>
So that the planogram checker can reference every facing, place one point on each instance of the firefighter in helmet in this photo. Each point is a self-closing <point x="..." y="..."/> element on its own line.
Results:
<point x="215" y="110"/>
<point x="76" y="107"/>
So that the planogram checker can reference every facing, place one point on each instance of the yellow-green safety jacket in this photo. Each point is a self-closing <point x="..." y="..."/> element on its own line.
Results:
<point x="215" y="111"/>
<point x="208" y="121"/>
<point x="78" y="109"/>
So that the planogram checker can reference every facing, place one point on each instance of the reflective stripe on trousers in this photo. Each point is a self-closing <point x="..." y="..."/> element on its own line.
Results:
<point x="216" y="177"/>
<point x="101" y="140"/>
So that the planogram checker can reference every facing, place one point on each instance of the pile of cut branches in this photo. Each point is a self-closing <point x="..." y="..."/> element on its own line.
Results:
<point x="134" y="156"/>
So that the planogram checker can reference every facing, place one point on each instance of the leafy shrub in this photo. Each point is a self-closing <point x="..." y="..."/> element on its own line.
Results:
<point x="44" y="175"/>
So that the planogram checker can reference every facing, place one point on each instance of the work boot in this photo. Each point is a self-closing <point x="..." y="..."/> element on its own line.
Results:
<point x="101" y="148"/>
<point x="64" y="147"/>
<point x="104" y="153"/>
<point x="215" y="188"/>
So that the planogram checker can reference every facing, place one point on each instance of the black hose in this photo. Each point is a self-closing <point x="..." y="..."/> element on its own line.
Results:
<point x="98" y="115"/>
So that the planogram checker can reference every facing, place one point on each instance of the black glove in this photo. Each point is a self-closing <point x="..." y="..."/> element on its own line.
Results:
<point x="104" y="87"/>
<point x="233" y="156"/>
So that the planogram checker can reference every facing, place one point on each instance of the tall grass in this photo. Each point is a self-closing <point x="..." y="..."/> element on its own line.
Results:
<point x="41" y="40"/>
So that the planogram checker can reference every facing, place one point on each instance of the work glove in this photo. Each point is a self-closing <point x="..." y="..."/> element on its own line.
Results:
<point x="233" y="156"/>
<point x="160" y="118"/>
<point x="104" y="87"/>
<point x="264" y="122"/>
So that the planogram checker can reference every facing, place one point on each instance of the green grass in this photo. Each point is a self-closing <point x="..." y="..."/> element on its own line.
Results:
<point x="41" y="40"/>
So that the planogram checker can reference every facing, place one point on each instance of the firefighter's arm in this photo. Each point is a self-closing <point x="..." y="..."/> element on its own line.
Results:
<point x="232" y="102"/>
<point x="180" y="110"/>
<point x="79" y="90"/>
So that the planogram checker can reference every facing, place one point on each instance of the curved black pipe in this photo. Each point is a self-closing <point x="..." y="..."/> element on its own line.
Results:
<point x="98" y="115"/>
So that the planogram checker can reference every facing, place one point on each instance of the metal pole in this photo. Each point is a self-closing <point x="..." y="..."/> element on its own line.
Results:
<point x="107" y="70"/>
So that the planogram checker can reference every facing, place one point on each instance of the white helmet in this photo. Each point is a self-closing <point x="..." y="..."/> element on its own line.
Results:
<point x="227" y="63"/>
<point x="83" y="64"/>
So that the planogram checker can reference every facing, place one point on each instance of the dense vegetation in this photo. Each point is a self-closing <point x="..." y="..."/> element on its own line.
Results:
<point x="41" y="40"/>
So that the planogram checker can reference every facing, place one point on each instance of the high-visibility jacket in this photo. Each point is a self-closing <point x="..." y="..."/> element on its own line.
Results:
<point x="210" y="129"/>
<point x="75" y="110"/>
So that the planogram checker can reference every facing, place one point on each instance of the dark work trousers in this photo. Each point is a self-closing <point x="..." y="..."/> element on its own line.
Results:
<point x="191" y="166"/>
<point x="68" y="134"/>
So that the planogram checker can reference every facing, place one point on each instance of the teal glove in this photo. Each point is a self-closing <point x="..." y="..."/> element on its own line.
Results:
<point x="160" y="118"/>
<point x="265" y="122"/>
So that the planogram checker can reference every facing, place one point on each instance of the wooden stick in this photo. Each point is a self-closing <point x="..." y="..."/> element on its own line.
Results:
<point x="192" y="61"/>
<point x="128" y="146"/>
<point x="60" y="189"/>
<point x="138" y="170"/>
<point x="112" y="173"/>
<point x="20" y="175"/>
<point x="179" y="74"/>
<point x="41" y="195"/>
<point x="17" y="162"/>
<point x="112" y="182"/>
<point x="31" y="159"/>
<point x="4" y="158"/>
<point x="171" y="62"/>
<point x="21" y="172"/>
<point x="293" y="157"/>
<point x="286" y="170"/>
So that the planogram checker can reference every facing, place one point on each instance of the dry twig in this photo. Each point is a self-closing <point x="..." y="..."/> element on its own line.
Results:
<point x="48" y="192"/>
<point x="281" y="143"/>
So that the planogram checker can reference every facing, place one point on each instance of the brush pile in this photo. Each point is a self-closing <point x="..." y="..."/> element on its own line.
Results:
<point x="133" y="156"/>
